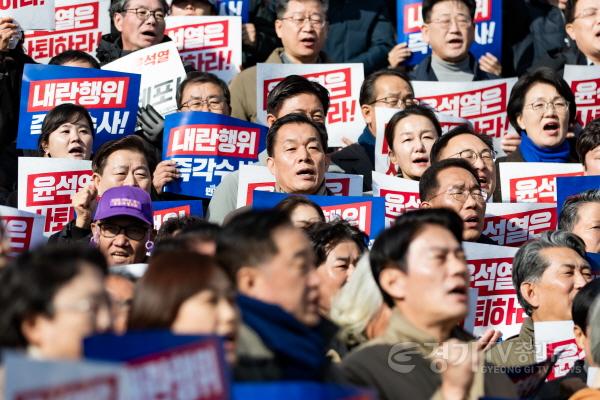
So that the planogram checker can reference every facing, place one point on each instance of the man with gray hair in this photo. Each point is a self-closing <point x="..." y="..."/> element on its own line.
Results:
<point x="140" y="24"/>
<point x="547" y="274"/>
<point x="581" y="215"/>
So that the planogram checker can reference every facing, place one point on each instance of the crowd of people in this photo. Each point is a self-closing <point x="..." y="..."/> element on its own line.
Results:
<point x="295" y="296"/>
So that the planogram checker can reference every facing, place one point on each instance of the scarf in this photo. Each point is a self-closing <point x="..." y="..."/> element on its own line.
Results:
<point x="533" y="153"/>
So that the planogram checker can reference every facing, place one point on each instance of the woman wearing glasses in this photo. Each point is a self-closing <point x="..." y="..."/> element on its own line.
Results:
<point x="140" y="24"/>
<point x="541" y="107"/>
<point x="122" y="227"/>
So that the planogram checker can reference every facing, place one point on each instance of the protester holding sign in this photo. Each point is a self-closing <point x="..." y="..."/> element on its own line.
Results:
<point x="580" y="215"/>
<point x="122" y="227"/>
<point x="410" y="135"/>
<point x="190" y="294"/>
<point x="386" y="88"/>
<point x="140" y="23"/>
<point x="117" y="163"/>
<point x="302" y="28"/>
<point x="67" y="131"/>
<point x="273" y="264"/>
<point x="420" y="254"/>
<point x="547" y="274"/>
<point x="51" y="299"/>
<point x="448" y="28"/>
<point x="337" y="246"/>
<point x="453" y="183"/>
<point x="588" y="148"/>
<point x="477" y="149"/>
<point x="541" y="107"/>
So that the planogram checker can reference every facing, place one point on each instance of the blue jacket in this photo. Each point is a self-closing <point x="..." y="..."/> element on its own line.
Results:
<point x="359" y="32"/>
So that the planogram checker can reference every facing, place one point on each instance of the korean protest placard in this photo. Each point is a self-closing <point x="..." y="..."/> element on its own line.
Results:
<point x="162" y="71"/>
<point x="79" y="25"/>
<point x="208" y="44"/>
<point x="488" y="29"/>
<point x="343" y="81"/>
<point x="46" y="186"/>
<point x="533" y="182"/>
<point x="110" y="97"/>
<point x="567" y="186"/>
<point x="30" y="14"/>
<point x="24" y="230"/>
<point x="206" y="146"/>
<point x="496" y="306"/>
<point x="552" y="338"/>
<point x="400" y="195"/>
<point x="584" y="81"/>
<point x="513" y="224"/>
<point x="258" y="177"/>
<point x="237" y="8"/>
<point x="165" y="210"/>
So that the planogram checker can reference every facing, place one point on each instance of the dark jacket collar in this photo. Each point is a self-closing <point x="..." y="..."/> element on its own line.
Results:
<point x="111" y="48"/>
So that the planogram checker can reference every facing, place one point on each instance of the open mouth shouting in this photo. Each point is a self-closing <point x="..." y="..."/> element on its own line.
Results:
<point x="77" y="152"/>
<point x="551" y="128"/>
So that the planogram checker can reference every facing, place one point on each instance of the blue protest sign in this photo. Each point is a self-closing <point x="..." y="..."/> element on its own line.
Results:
<point x="110" y="97"/>
<point x="298" y="391"/>
<point x="164" y="210"/>
<point x="571" y="185"/>
<point x="365" y="212"/>
<point x="239" y="8"/>
<point x="207" y="146"/>
<point x="594" y="260"/>
<point x="488" y="29"/>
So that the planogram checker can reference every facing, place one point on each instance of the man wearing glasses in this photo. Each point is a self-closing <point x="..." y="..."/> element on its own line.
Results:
<point x="302" y="27"/>
<point x="449" y="29"/>
<point x="141" y="24"/>
<point x="453" y="184"/>
<point x="477" y="149"/>
<point x="386" y="88"/>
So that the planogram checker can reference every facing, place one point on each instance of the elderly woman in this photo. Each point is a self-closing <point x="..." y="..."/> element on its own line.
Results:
<point x="189" y="294"/>
<point x="410" y="134"/>
<point x="67" y="132"/>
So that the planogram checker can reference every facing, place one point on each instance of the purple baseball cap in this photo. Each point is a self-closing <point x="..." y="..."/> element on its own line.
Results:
<point x="128" y="201"/>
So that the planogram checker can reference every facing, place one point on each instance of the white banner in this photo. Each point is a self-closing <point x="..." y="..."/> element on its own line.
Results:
<point x="79" y="25"/>
<point x="400" y="195"/>
<point x="584" y="81"/>
<point x="30" y="14"/>
<point x="496" y="307"/>
<point x="209" y="44"/>
<point x="344" y="119"/>
<point x="46" y="186"/>
<point x="23" y="229"/>
<point x="555" y="337"/>
<point x="533" y="182"/>
<point x="513" y="224"/>
<point x="258" y="177"/>
<point x="162" y="71"/>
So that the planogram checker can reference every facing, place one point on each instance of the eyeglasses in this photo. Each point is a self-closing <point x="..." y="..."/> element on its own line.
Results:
<point x="396" y="102"/>
<point x="133" y="232"/>
<point x="212" y="103"/>
<point x="487" y="156"/>
<point x="559" y="105"/>
<point x="587" y="13"/>
<point x="315" y="20"/>
<point x="480" y="196"/>
<point x="461" y="21"/>
<point x="143" y="14"/>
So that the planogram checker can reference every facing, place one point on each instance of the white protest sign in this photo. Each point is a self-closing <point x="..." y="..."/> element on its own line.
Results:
<point x="30" y="14"/>
<point x="162" y="71"/>
<point x="258" y="177"/>
<point x="535" y="182"/>
<point x="79" y="25"/>
<point x="400" y="195"/>
<point x="481" y="102"/>
<point x="209" y="44"/>
<point x="552" y="338"/>
<point x="490" y="269"/>
<point x="584" y="81"/>
<point x="23" y="229"/>
<point x="343" y="81"/>
<point x="513" y="224"/>
<point x="46" y="186"/>
<point x="382" y="148"/>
